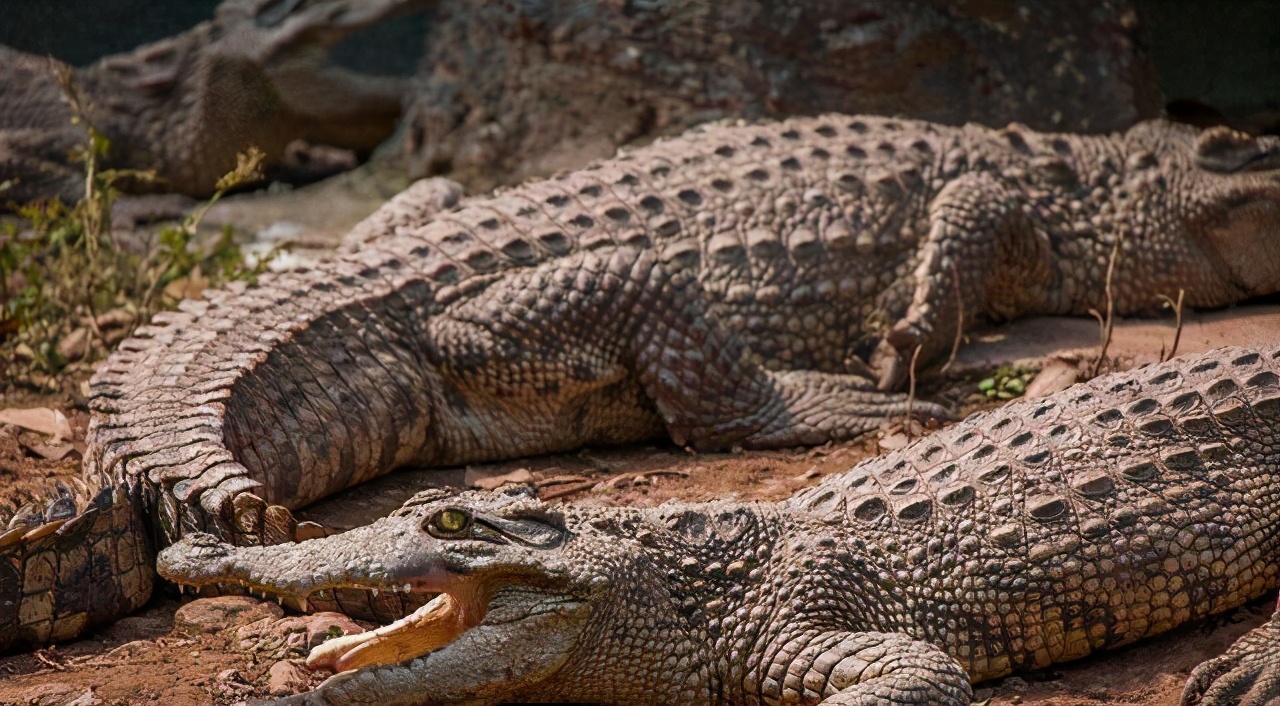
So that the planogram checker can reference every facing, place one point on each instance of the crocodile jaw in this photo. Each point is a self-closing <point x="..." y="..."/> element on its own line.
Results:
<point x="429" y="628"/>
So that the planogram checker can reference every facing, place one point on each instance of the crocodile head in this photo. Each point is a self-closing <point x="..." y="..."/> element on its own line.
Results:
<point x="1235" y="202"/>
<point x="513" y="577"/>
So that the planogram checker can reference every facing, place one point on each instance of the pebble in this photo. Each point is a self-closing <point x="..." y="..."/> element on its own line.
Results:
<point x="211" y="615"/>
<point x="287" y="677"/>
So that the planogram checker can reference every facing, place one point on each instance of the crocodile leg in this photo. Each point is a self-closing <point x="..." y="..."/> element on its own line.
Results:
<point x="976" y="230"/>
<point x="1247" y="675"/>
<point x="592" y="326"/>
<point x="865" y="669"/>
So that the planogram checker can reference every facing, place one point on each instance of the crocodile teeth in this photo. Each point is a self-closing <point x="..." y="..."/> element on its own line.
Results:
<point x="374" y="591"/>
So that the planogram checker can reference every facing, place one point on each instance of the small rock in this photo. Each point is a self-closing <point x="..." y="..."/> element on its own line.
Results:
<point x="88" y="698"/>
<point x="53" y="694"/>
<point x="139" y="626"/>
<point x="51" y="452"/>
<point x="112" y="336"/>
<point x="893" y="442"/>
<point x="327" y="625"/>
<point x="230" y="684"/>
<point x="75" y="345"/>
<point x="1056" y="376"/>
<point x="42" y="420"/>
<point x="116" y="318"/>
<point x="1015" y="685"/>
<point x="286" y="677"/>
<point x="210" y="615"/>
<point x="309" y="530"/>
<point x="485" y="478"/>
<point x="265" y="636"/>
<point x="132" y="650"/>
<point x="230" y="675"/>
<point x="293" y="636"/>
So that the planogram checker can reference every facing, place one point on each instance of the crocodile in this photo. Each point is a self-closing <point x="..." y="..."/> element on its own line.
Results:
<point x="1022" y="537"/>
<point x="747" y="286"/>
<point x="183" y="107"/>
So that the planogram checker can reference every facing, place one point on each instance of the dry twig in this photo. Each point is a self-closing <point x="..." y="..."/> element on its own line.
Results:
<point x="955" y="343"/>
<point x="1177" y="333"/>
<point x="1108" y="323"/>
<point x="57" y="666"/>
<point x="911" y="388"/>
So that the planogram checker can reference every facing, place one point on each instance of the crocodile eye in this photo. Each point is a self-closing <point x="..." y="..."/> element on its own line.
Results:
<point x="450" y="521"/>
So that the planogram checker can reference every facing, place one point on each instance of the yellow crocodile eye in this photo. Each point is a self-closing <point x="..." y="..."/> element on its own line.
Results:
<point x="452" y="520"/>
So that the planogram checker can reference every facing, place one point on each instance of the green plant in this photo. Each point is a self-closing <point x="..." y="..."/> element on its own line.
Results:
<point x="1005" y="384"/>
<point x="65" y="280"/>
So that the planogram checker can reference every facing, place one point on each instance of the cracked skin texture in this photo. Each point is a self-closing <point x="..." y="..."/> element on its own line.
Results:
<point x="1016" y="539"/>
<point x="740" y="285"/>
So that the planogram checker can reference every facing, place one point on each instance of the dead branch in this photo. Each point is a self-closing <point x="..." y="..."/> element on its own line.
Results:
<point x="911" y="387"/>
<point x="1177" y="313"/>
<point x="1109" y="322"/>
<point x="955" y="343"/>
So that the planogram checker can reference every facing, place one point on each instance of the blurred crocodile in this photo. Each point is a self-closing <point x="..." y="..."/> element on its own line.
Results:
<point x="256" y="74"/>
<point x="1019" y="538"/>
<point x="724" y="288"/>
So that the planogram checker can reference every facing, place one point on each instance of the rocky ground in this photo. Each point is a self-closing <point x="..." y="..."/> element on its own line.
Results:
<point x="227" y="650"/>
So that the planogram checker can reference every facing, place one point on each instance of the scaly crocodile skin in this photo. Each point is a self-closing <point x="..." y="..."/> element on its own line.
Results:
<point x="1019" y="538"/>
<point x="740" y="285"/>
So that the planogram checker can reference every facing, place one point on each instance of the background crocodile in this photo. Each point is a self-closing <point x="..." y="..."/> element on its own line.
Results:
<point x="256" y="74"/>
<point x="721" y="288"/>
<point x="1022" y="537"/>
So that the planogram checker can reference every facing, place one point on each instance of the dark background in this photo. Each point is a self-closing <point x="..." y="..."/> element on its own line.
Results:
<point x="1222" y="53"/>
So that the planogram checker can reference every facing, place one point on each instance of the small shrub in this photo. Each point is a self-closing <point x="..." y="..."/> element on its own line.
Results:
<point x="70" y="291"/>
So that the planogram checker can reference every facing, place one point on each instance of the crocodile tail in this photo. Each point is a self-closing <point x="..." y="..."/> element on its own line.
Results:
<point x="59" y="578"/>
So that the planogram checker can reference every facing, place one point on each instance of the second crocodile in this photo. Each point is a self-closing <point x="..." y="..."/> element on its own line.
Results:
<point x="737" y="286"/>
<point x="1019" y="538"/>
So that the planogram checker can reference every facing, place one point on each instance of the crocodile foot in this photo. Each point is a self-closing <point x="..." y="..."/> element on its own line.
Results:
<point x="1247" y="675"/>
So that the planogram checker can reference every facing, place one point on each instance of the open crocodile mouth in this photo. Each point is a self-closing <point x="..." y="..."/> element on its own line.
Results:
<point x="439" y="622"/>
<point x="434" y="625"/>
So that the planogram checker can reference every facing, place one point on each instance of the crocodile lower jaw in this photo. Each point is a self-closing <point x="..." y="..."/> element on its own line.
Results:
<point x="429" y="628"/>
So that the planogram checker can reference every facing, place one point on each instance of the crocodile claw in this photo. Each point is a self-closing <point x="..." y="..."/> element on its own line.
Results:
<point x="1248" y="674"/>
